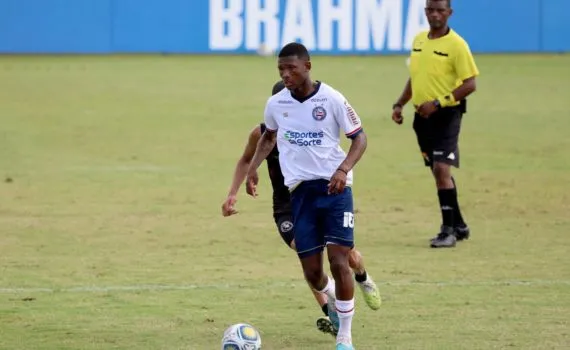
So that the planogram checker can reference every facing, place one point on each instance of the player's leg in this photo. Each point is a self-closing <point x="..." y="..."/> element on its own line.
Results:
<point x="312" y="264"/>
<point x="309" y="246"/>
<point x="447" y="125"/>
<point x="344" y="304"/>
<point x="286" y="228"/>
<point x="339" y="238"/>
<point x="364" y="280"/>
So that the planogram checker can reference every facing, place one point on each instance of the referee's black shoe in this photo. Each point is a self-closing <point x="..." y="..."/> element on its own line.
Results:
<point x="462" y="232"/>
<point x="445" y="239"/>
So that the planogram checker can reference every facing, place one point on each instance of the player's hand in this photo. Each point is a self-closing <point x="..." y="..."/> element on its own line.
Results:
<point x="228" y="208"/>
<point x="397" y="116"/>
<point x="337" y="183"/>
<point x="251" y="183"/>
<point x="426" y="109"/>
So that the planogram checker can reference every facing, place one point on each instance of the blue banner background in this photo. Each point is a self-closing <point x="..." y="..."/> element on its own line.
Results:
<point x="234" y="26"/>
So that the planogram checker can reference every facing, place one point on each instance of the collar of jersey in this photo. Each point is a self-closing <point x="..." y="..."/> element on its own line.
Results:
<point x="441" y="37"/>
<point x="303" y="99"/>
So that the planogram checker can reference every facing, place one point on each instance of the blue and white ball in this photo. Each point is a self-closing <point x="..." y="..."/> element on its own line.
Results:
<point x="241" y="336"/>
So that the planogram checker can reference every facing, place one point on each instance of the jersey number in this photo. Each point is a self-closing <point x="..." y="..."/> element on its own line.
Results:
<point x="348" y="220"/>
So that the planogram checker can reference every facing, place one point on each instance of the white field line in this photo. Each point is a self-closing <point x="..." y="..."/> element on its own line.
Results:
<point x="174" y="287"/>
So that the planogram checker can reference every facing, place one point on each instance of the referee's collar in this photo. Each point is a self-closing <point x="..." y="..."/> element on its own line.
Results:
<point x="443" y="36"/>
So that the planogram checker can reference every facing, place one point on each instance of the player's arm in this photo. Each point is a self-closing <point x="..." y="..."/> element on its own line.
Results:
<point x="266" y="143"/>
<point x="401" y="102"/>
<point x="245" y="160"/>
<point x="357" y="148"/>
<point x="348" y="121"/>
<point x="241" y="171"/>
<point x="264" y="147"/>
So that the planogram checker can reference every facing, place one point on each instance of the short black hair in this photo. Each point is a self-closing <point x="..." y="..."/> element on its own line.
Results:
<point x="448" y="2"/>
<point x="295" y="49"/>
<point x="280" y="85"/>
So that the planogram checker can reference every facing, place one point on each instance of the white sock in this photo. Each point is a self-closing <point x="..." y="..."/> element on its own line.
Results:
<point x="345" y="309"/>
<point x="329" y="289"/>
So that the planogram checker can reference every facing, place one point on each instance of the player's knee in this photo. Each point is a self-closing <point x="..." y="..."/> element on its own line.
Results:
<point x="313" y="269"/>
<point x="314" y="276"/>
<point x="339" y="262"/>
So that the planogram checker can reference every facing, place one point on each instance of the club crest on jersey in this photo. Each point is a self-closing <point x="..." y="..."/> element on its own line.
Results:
<point x="319" y="113"/>
<point x="286" y="226"/>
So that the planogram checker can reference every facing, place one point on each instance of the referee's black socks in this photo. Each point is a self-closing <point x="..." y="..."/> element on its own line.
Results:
<point x="459" y="222"/>
<point x="447" y="200"/>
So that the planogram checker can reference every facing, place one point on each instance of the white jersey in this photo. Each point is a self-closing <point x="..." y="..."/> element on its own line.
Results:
<point x="308" y="133"/>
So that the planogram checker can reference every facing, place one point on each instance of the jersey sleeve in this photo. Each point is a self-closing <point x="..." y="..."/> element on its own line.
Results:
<point x="269" y="117"/>
<point x="346" y="117"/>
<point x="465" y="66"/>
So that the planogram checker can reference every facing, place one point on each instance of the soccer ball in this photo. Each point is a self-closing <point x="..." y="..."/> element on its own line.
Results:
<point x="241" y="336"/>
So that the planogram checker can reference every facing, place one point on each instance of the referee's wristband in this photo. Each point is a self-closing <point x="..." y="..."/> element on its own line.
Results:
<point x="447" y="100"/>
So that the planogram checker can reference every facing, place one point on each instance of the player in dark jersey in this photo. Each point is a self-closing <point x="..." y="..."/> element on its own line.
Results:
<point x="282" y="215"/>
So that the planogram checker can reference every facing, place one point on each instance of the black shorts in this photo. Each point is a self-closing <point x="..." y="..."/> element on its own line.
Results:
<point x="285" y="227"/>
<point x="438" y="136"/>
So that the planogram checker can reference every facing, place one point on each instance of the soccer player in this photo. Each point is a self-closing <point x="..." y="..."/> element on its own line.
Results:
<point x="442" y="75"/>
<point x="305" y="121"/>
<point x="284" y="221"/>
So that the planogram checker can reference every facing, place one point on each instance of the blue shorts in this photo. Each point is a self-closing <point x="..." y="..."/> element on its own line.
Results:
<point x="321" y="218"/>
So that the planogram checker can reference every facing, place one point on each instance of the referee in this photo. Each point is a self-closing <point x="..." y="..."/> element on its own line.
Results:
<point x="442" y="75"/>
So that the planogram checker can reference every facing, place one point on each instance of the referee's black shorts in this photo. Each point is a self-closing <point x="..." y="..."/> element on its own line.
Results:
<point x="438" y="136"/>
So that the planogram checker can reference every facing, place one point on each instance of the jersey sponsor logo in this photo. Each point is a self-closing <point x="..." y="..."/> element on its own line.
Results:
<point x="319" y="99"/>
<point x="285" y="102"/>
<point x="309" y="138"/>
<point x="319" y="113"/>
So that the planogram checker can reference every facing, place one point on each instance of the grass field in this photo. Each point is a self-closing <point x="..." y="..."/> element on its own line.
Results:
<point x="114" y="169"/>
